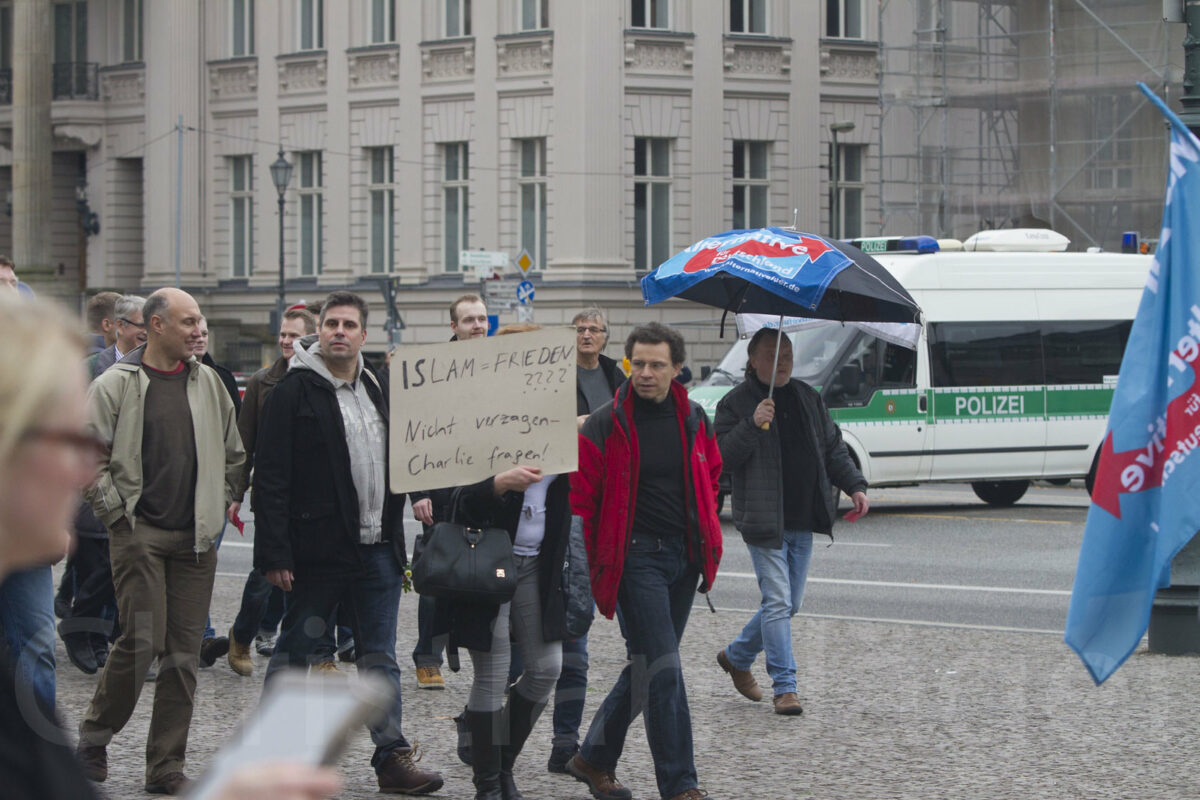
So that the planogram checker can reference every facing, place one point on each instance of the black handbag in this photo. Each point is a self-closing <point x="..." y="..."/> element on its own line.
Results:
<point x="577" y="583"/>
<point x="458" y="562"/>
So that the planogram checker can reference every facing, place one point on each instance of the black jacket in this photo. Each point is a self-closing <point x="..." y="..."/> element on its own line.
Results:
<point x="229" y="381"/>
<point x="470" y="625"/>
<point x="306" y="516"/>
<point x="753" y="459"/>
<point x="612" y="371"/>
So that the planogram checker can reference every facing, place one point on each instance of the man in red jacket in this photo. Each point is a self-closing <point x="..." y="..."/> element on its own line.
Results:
<point x="647" y="492"/>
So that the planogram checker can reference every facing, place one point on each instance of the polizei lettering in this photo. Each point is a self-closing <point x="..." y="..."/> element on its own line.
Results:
<point x="990" y="405"/>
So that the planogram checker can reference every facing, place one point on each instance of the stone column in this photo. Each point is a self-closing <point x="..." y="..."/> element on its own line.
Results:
<point x="33" y="138"/>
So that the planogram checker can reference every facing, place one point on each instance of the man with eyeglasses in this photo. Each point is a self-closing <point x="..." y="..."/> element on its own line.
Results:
<point x="646" y="490"/>
<point x="89" y="617"/>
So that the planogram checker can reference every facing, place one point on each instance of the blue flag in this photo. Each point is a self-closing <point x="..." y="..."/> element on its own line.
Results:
<point x="1146" y="497"/>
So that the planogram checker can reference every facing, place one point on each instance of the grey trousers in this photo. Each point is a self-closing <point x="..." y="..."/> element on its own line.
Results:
<point x="542" y="659"/>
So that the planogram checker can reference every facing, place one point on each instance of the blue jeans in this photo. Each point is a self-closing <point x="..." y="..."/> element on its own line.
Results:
<point x="782" y="574"/>
<point x="373" y="601"/>
<point x="655" y="598"/>
<point x="570" y="693"/>
<point x="252" y="614"/>
<point x="27" y="619"/>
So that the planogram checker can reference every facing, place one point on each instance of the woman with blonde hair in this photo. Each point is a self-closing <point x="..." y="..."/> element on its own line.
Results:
<point x="47" y="456"/>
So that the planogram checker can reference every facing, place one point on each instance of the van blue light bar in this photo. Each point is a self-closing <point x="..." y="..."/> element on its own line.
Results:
<point x="896" y="244"/>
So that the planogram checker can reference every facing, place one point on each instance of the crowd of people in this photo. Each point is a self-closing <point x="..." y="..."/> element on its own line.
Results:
<point x="163" y="449"/>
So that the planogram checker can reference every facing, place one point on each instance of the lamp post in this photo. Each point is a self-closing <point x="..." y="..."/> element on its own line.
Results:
<point x="835" y="211"/>
<point x="281" y="176"/>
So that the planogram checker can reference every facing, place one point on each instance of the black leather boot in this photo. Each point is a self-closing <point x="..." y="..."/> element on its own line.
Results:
<point x="521" y="714"/>
<point x="485" y="753"/>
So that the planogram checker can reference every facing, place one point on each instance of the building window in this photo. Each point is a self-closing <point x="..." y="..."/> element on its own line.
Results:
<point x="849" y="191"/>
<point x="532" y="186"/>
<point x="651" y="202"/>
<point x="747" y="16"/>
<point x="310" y="24"/>
<point x="383" y="209"/>
<point x="243" y="27"/>
<point x="70" y="33"/>
<point x="6" y="41"/>
<point x="131" y="30"/>
<point x="750" y="184"/>
<point x="649" y="14"/>
<point x="1111" y="163"/>
<point x="844" y="19"/>
<point x="455" y="208"/>
<point x="535" y="15"/>
<point x="241" y="215"/>
<point x="458" y="21"/>
<point x="312" y="212"/>
<point x="383" y="21"/>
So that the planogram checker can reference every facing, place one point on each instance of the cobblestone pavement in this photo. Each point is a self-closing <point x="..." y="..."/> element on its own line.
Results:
<point x="890" y="711"/>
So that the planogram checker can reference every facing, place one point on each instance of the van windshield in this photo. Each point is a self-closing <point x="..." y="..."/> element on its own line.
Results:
<point x="813" y="352"/>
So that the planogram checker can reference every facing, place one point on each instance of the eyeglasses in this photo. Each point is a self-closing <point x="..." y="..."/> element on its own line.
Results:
<point x="87" y="444"/>
<point x="592" y="329"/>
<point x="128" y="321"/>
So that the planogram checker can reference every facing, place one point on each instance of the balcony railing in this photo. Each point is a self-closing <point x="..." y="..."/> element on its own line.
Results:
<point x="5" y="87"/>
<point x="76" y="80"/>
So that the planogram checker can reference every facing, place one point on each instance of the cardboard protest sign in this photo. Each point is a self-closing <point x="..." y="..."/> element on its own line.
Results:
<point x="464" y="411"/>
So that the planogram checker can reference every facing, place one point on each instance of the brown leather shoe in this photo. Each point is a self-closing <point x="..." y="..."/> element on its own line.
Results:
<point x="743" y="681"/>
<point x="399" y="774"/>
<point x="239" y="656"/>
<point x="788" y="704"/>
<point x="172" y="783"/>
<point x="94" y="759"/>
<point x="603" y="784"/>
<point x="691" y="794"/>
<point x="430" y="678"/>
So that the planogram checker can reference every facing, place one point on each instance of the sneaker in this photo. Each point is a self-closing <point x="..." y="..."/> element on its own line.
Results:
<point x="94" y="760"/>
<point x="171" y="783"/>
<point x="211" y="650"/>
<point x="559" y="756"/>
<point x="788" y="704"/>
<point x="326" y="668"/>
<point x="430" y="678"/>
<point x="603" y="784"/>
<point x="264" y="643"/>
<point x="399" y="774"/>
<point x="239" y="657"/>
<point x="743" y="681"/>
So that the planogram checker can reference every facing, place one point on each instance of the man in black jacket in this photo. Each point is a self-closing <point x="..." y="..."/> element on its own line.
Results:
<point x="784" y="454"/>
<point x="328" y="529"/>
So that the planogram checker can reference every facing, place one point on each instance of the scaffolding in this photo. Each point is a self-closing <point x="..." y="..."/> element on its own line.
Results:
<point x="1024" y="113"/>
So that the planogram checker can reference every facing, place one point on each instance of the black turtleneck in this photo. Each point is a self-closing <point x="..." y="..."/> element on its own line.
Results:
<point x="798" y="458"/>
<point x="660" y="507"/>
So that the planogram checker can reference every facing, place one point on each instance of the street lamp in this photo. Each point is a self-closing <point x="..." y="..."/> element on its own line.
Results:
<point x="281" y="176"/>
<point x="835" y="210"/>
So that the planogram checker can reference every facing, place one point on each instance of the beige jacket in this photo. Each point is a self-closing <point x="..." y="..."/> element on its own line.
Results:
<point x="116" y="401"/>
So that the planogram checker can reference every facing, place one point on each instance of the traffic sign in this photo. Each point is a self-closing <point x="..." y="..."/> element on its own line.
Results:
<point x="524" y="293"/>
<point x="501" y="294"/>
<point x="525" y="262"/>
<point x="484" y="262"/>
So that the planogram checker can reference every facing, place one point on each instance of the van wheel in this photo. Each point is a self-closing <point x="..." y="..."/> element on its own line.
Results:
<point x="1000" y="493"/>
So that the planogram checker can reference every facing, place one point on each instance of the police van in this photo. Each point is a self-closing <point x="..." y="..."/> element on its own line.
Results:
<point x="1012" y="376"/>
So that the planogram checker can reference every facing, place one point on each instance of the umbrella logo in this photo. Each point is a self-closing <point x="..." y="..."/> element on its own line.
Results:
<point x="784" y="255"/>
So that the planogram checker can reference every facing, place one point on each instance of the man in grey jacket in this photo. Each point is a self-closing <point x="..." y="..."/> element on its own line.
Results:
<point x="784" y="455"/>
<point x="174" y="458"/>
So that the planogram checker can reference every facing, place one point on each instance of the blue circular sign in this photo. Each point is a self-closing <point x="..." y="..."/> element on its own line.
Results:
<point x="524" y="293"/>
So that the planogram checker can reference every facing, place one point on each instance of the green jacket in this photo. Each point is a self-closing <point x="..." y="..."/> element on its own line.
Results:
<point x="116" y="401"/>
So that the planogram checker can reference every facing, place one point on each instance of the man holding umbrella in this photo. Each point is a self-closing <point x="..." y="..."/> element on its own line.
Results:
<point x="784" y="454"/>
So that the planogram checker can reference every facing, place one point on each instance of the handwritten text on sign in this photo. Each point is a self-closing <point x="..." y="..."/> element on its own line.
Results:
<point x="464" y="411"/>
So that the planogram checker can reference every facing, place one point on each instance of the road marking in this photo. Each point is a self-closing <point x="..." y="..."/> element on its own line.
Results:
<point x="973" y="518"/>
<point x="237" y="544"/>
<point x="857" y="544"/>
<point x="918" y="622"/>
<point x="951" y="587"/>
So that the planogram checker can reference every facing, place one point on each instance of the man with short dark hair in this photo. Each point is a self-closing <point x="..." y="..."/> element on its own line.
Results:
<point x="646" y="490"/>
<point x="101" y="320"/>
<point x="329" y="531"/>
<point x="784" y="454"/>
<point x="174" y="455"/>
<point x="256" y="595"/>
<point x="597" y="379"/>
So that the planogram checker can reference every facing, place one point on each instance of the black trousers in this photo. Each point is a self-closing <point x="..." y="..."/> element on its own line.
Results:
<point x="95" y="605"/>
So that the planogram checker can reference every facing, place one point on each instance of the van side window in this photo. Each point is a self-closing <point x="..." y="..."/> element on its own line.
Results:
<point x="986" y="353"/>
<point x="1083" y="352"/>
<point x="871" y="364"/>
